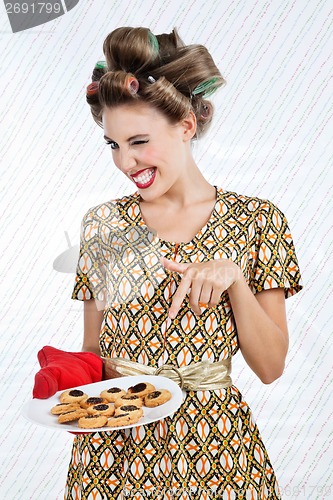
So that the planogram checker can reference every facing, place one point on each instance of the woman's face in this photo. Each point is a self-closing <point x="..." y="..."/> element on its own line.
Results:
<point x="149" y="150"/>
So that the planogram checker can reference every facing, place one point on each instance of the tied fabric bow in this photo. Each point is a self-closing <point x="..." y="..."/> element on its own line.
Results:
<point x="62" y="370"/>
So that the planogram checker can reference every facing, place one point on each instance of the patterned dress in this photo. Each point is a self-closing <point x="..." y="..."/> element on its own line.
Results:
<point x="211" y="447"/>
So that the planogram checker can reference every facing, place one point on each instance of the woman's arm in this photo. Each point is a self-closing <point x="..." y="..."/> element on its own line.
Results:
<point x="93" y="317"/>
<point x="260" y="319"/>
<point x="262" y="328"/>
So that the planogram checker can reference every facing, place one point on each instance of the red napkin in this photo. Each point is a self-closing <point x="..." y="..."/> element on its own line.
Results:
<point x="61" y="370"/>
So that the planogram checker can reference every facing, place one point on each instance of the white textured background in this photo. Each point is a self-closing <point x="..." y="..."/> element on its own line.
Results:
<point x="272" y="138"/>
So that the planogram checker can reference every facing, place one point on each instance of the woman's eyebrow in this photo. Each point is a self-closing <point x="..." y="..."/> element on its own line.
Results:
<point x="129" y="139"/>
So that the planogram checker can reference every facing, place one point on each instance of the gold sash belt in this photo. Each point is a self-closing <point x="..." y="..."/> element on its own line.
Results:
<point x="201" y="376"/>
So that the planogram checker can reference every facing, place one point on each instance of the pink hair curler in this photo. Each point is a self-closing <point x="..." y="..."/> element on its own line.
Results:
<point x="132" y="84"/>
<point x="92" y="88"/>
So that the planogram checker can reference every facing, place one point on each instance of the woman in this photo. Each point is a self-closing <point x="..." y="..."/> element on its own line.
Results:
<point x="178" y="273"/>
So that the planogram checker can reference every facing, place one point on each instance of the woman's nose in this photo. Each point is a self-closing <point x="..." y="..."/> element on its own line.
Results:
<point x="127" y="161"/>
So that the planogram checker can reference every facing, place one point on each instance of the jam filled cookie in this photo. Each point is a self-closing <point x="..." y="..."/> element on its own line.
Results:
<point x="157" y="398"/>
<point x="70" y="416"/>
<point x="134" y="411"/>
<point x="106" y="409"/>
<point x="141" y="389"/>
<point x="122" y="419"/>
<point x="112" y="394"/>
<point x="93" y="401"/>
<point x="64" y="408"/>
<point x="72" y="396"/>
<point x="91" y="421"/>
<point x="132" y="399"/>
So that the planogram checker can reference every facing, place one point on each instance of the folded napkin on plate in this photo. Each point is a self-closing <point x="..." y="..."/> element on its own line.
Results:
<point x="61" y="370"/>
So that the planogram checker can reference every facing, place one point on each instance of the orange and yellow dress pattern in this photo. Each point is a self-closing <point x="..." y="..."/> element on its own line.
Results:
<point x="211" y="447"/>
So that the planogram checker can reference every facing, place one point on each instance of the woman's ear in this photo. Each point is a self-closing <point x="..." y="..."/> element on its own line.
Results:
<point x="189" y="126"/>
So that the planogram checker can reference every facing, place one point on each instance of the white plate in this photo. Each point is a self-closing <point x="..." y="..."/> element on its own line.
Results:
<point x="38" y="411"/>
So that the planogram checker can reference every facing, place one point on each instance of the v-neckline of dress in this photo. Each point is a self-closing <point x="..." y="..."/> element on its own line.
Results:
<point x="141" y="221"/>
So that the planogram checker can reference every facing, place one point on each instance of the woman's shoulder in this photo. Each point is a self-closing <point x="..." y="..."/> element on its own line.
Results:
<point x="109" y="210"/>
<point x="247" y="203"/>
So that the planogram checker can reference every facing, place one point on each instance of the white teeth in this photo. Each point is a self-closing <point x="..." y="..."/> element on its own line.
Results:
<point x="145" y="178"/>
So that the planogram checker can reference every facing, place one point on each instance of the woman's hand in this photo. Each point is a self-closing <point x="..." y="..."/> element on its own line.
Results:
<point x="205" y="281"/>
<point x="109" y="371"/>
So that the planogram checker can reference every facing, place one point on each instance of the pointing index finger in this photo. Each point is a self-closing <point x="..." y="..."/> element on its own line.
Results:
<point x="179" y="297"/>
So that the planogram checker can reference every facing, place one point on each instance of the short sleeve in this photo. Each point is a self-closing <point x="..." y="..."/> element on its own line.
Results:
<point x="275" y="263"/>
<point x="90" y="271"/>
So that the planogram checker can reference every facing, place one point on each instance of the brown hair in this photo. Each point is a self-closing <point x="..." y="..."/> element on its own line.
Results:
<point x="159" y="70"/>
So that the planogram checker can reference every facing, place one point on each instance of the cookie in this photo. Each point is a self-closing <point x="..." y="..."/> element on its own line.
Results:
<point x="132" y="399"/>
<point x="106" y="409"/>
<point x="112" y="394"/>
<point x="134" y="411"/>
<point x="157" y="398"/>
<point x="70" y="416"/>
<point x="91" y="421"/>
<point x="122" y="419"/>
<point x="141" y="389"/>
<point x="64" y="408"/>
<point x="93" y="401"/>
<point x="72" y="396"/>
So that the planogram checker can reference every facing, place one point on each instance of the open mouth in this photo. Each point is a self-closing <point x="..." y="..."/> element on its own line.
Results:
<point x="144" y="178"/>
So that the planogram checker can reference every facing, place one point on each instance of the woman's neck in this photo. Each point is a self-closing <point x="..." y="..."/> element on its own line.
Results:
<point x="187" y="190"/>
